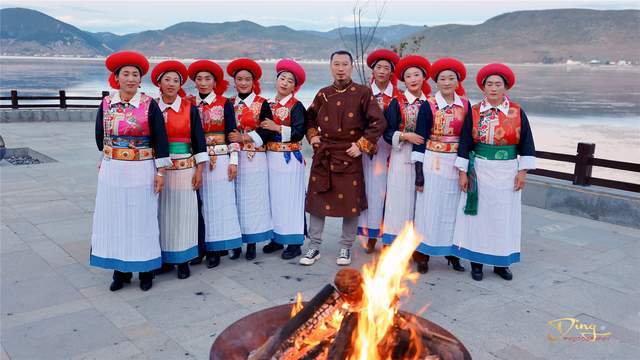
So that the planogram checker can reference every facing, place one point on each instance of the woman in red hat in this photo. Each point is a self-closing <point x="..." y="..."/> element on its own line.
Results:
<point x="440" y="121"/>
<point x="384" y="87"/>
<point x="130" y="133"/>
<point x="496" y="150"/>
<point x="178" y="213"/>
<point x="218" y="194"/>
<point x="252" y="183"/>
<point x="401" y="117"/>
<point x="286" y="164"/>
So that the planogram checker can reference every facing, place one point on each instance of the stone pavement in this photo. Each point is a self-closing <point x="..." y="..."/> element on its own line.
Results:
<point x="55" y="306"/>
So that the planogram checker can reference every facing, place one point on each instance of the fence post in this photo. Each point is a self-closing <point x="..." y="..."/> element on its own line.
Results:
<point x="14" y="99"/>
<point x="63" y="99"/>
<point x="584" y="158"/>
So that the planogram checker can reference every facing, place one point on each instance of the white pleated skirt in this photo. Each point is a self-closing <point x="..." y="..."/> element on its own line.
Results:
<point x="287" y="196"/>
<point x="222" y="227"/>
<point x="125" y="234"/>
<point x="492" y="236"/>
<point x="178" y="217"/>
<point x="375" y="181"/>
<point x="252" y="191"/>
<point x="401" y="192"/>
<point x="436" y="206"/>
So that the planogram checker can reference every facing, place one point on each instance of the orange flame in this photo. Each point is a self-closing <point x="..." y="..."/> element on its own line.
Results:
<point x="295" y="309"/>
<point x="384" y="283"/>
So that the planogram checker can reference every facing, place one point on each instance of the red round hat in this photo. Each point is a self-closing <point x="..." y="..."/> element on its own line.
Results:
<point x="450" y="64"/>
<point x="214" y="69"/>
<point x="496" y="69"/>
<point x="293" y="67"/>
<point x="418" y="61"/>
<point x="117" y="60"/>
<point x="249" y="65"/>
<point x="382" y="54"/>
<point x="166" y="66"/>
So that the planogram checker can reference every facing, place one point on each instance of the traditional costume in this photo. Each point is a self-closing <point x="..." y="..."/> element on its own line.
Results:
<point x="494" y="146"/>
<point x="130" y="134"/>
<point x="401" y="117"/>
<point x="439" y="123"/>
<point x="375" y="167"/>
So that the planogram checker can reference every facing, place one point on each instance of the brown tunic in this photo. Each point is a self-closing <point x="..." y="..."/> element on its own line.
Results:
<point x="341" y="117"/>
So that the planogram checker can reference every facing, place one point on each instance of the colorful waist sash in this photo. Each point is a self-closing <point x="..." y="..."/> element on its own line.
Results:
<point x="216" y="150"/>
<point x="486" y="152"/>
<point x="214" y="138"/>
<point x="179" y="148"/>
<point x="184" y="163"/>
<point x="445" y="144"/>
<point x="280" y="146"/>
<point x="127" y="154"/>
<point x="252" y="148"/>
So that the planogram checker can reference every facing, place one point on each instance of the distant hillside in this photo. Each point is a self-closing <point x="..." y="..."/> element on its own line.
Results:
<point x="548" y="36"/>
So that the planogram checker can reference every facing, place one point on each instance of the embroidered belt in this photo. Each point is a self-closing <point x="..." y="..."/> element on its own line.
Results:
<point x="184" y="163"/>
<point x="280" y="146"/>
<point x="445" y="144"/>
<point x="250" y="147"/>
<point x="216" y="150"/>
<point x="133" y="142"/>
<point x="128" y="154"/>
<point x="214" y="138"/>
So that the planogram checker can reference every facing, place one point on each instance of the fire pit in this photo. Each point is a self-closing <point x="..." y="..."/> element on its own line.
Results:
<point x="358" y="319"/>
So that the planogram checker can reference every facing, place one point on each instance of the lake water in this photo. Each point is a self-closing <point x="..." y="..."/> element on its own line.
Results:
<point x="565" y="104"/>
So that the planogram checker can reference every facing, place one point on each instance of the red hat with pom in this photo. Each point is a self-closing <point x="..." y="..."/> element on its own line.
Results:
<point x="215" y="70"/>
<point x="249" y="65"/>
<point x="120" y="59"/>
<point x="419" y="62"/>
<point x="293" y="67"/>
<point x="450" y="64"/>
<point x="168" y="66"/>
<point x="496" y="69"/>
<point x="384" y="54"/>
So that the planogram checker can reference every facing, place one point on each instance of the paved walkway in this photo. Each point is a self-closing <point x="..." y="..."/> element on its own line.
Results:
<point x="55" y="306"/>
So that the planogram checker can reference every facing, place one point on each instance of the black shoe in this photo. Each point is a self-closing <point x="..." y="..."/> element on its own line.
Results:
<point x="272" y="247"/>
<point x="251" y="252"/>
<point x="454" y="262"/>
<point x="119" y="279"/>
<point x="422" y="261"/>
<point x="197" y="261"/>
<point x="371" y="245"/>
<point x="503" y="272"/>
<point x="146" y="280"/>
<point x="164" y="269"/>
<point x="476" y="271"/>
<point x="213" y="259"/>
<point x="223" y="252"/>
<point x="183" y="271"/>
<point x="235" y="253"/>
<point x="291" y="252"/>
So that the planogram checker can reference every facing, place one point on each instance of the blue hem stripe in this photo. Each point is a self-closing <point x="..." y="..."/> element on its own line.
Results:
<point x="289" y="239"/>
<point x="125" y="266"/>
<point x="387" y="239"/>
<point x="370" y="233"/>
<point x="434" y="250"/>
<point x="486" y="259"/>
<point x="179" y="257"/>
<point x="256" y="238"/>
<point x="224" y="244"/>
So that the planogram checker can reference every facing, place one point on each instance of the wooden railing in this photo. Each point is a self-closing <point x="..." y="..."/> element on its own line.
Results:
<point x="584" y="159"/>
<point x="61" y="101"/>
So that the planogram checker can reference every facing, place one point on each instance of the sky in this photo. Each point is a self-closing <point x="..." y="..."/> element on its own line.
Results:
<point x="127" y="16"/>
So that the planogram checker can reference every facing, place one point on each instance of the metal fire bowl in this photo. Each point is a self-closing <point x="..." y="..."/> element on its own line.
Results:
<point x="253" y="330"/>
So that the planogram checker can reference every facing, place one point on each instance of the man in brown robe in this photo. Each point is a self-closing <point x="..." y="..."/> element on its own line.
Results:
<point x="344" y="121"/>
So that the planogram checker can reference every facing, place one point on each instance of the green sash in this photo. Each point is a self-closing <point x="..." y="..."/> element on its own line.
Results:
<point x="179" y="148"/>
<point x="486" y="152"/>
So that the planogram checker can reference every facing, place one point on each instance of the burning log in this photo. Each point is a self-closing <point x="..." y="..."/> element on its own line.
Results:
<point x="341" y="348"/>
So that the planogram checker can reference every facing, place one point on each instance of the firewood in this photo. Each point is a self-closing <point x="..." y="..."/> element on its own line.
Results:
<point x="342" y="344"/>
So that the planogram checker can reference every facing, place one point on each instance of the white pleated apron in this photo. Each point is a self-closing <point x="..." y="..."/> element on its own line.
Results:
<point x="252" y="190"/>
<point x="287" y="196"/>
<point x="375" y="181"/>
<point x="125" y="234"/>
<point x="401" y="192"/>
<point x="222" y="228"/>
<point x="492" y="236"/>
<point x="437" y="204"/>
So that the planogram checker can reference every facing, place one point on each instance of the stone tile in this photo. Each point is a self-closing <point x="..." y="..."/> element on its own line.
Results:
<point x="161" y="347"/>
<point x="211" y="327"/>
<point x="52" y="253"/>
<point x="121" y="350"/>
<point x="516" y="352"/>
<point x="17" y="319"/>
<point x="20" y="296"/>
<point x="199" y="347"/>
<point x="232" y="289"/>
<point x="62" y="337"/>
<point x="10" y="241"/>
<point x="22" y="265"/>
<point x="70" y="230"/>
<point x="40" y="213"/>
<point x="31" y="195"/>
<point x="80" y="277"/>
<point x="22" y="228"/>
<point x="116" y="310"/>
<point x="80" y="251"/>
